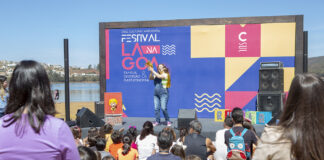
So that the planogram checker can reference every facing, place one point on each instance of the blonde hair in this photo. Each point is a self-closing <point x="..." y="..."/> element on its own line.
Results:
<point x="166" y="70"/>
<point x="113" y="100"/>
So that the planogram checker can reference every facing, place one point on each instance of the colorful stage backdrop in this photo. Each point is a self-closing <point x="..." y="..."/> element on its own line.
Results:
<point x="212" y="66"/>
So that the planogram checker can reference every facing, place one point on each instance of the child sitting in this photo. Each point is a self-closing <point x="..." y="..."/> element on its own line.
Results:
<point x="76" y="131"/>
<point x="116" y="137"/>
<point x="127" y="152"/>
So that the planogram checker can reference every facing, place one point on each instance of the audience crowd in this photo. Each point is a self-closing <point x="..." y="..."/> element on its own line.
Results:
<point x="29" y="129"/>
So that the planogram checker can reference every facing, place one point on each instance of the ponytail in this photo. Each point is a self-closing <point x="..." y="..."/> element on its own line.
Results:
<point x="126" y="148"/>
<point x="127" y="140"/>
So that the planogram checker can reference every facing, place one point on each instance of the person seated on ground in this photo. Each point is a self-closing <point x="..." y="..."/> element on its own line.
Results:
<point x="116" y="137"/>
<point x="92" y="132"/>
<point x="108" y="158"/>
<point x="178" y="151"/>
<point x="98" y="155"/>
<point x="299" y="134"/>
<point x="237" y="130"/>
<point x="100" y="146"/>
<point x="221" y="147"/>
<point x="76" y="131"/>
<point x="197" y="144"/>
<point x="133" y="132"/>
<point x="174" y="135"/>
<point x="183" y="132"/>
<point x="29" y="129"/>
<point x="105" y="132"/>
<point x="86" y="153"/>
<point x="193" y="157"/>
<point x="248" y="125"/>
<point x="92" y="141"/>
<point x="146" y="141"/>
<point x="127" y="152"/>
<point x="165" y="139"/>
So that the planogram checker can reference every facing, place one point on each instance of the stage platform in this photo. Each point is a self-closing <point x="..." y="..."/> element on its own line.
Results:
<point x="209" y="126"/>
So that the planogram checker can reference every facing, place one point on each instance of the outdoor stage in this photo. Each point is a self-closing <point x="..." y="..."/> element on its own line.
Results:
<point x="209" y="126"/>
<point x="214" y="65"/>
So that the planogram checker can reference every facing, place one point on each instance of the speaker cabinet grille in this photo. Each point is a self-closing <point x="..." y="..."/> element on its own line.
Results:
<point x="271" y="80"/>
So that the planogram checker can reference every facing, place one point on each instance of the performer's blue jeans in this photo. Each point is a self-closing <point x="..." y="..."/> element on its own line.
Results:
<point x="160" y="102"/>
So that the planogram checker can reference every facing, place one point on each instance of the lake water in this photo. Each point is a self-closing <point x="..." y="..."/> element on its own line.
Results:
<point x="79" y="92"/>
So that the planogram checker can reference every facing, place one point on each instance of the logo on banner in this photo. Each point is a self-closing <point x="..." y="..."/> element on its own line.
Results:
<point x="136" y="46"/>
<point x="242" y="40"/>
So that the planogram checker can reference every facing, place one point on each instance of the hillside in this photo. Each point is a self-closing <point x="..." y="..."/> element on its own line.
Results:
<point x="316" y="65"/>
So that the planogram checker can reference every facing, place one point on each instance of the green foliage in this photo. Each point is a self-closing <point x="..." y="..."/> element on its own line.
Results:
<point x="316" y="65"/>
<point x="55" y="77"/>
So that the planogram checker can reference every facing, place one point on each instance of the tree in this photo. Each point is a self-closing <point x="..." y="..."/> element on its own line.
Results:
<point x="98" y="67"/>
<point x="90" y="66"/>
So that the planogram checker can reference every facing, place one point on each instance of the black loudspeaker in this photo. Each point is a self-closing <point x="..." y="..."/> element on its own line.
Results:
<point x="185" y="116"/>
<point x="271" y="79"/>
<point x="86" y="118"/>
<point x="100" y="109"/>
<point x="272" y="102"/>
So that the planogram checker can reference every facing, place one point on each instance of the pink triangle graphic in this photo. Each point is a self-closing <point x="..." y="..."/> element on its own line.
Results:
<point x="238" y="98"/>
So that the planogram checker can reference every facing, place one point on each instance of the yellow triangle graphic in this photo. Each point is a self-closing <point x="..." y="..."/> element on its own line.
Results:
<point x="235" y="67"/>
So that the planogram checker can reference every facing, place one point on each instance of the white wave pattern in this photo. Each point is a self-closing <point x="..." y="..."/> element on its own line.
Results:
<point x="210" y="111"/>
<point x="168" y="49"/>
<point x="206" y="102"/>
<point x="205" y="94"/>
<point x="209" y="101"/>
<point x="207" y="105"/>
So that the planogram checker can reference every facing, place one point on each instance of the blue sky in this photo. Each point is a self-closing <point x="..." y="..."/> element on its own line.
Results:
<point x="36" y="29"/>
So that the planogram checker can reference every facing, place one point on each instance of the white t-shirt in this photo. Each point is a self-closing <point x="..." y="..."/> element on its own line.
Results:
<point x="146" y="146"/>
<point x="221" y="148"/>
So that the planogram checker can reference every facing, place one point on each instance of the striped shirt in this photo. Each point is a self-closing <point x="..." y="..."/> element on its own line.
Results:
<point x="165" y="80"/>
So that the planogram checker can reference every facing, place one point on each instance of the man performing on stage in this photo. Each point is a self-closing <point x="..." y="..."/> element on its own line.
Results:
<point x="161" y="92"/>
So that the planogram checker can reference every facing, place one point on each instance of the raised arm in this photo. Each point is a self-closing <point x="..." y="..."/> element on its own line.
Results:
<point x="156" y="74"/>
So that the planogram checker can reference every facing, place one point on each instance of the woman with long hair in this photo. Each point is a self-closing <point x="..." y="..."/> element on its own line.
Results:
<point x="29" y="128"/>
<point x="3" y="94"/>
<point x="299" y="134"/>
<point x="146" y="141"/>
<point x="162" y="83"/>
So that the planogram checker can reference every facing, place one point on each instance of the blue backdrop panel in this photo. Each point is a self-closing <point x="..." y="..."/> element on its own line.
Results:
<point x="194" y="82"/>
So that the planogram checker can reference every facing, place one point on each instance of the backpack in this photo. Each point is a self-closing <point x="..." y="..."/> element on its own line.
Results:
<point x="236" y="149"/>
